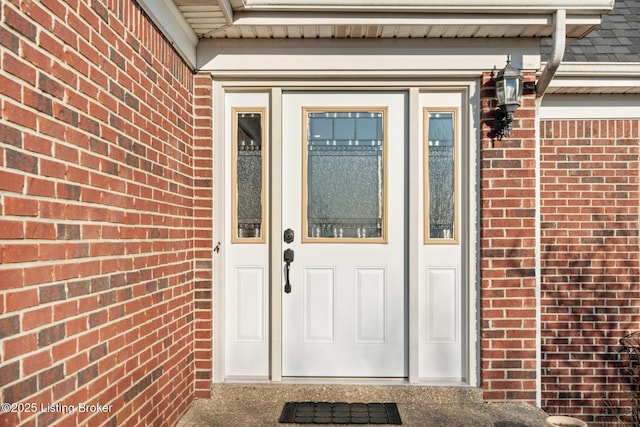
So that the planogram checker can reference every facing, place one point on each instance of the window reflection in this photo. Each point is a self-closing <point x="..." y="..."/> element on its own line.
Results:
<point x="249" y="175"/>
<point x="440" y="170"/>
<point x="345" y="189"/>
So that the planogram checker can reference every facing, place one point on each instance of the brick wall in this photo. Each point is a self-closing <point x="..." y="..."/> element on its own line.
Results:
<point x="507" y="245"/>
<point x="203" y="220"/>
<point x="97" y="201"/>
<point x="590" y="197"/>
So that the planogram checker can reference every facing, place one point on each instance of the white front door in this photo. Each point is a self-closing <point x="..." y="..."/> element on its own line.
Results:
<point x="344" y="197"/>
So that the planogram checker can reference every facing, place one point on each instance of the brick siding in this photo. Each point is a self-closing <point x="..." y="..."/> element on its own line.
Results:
<point x="97" y="153"/>
<point x="203" y="220"/>
<point x="507" y="245"/>
<point x="590" y="203"/>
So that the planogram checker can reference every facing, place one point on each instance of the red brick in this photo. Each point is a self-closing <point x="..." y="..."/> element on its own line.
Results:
<point x="37" y="275"/>
<point x="52" y="169"/>
<point x="36" y="363"/>
<point x="16" y="346"/>
<point x="21" y="299"/>
<point x="20" y="206"/>
<point x="40" y="187"/>
<point x="21" y="161"/>
<point x="20" y="23"/>
<point x="10" y="229"/>
<point x="36" y="318"/>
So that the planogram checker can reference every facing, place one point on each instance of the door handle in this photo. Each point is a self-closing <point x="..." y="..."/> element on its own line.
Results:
<point x="288" y="259"/>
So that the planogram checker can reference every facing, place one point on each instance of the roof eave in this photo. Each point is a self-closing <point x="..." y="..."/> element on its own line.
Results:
<point x="264" y="24"/>
<point x="174" y="27"/>
<point x="435" y="6"/>
<point x="597" y="78"/>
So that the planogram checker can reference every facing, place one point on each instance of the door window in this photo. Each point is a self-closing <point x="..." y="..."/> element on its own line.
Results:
<point x="344" y="175"/>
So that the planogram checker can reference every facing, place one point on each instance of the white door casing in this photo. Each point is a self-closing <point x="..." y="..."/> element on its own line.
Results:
<point x="438" y="320"/>
<point x="345" y="314"/>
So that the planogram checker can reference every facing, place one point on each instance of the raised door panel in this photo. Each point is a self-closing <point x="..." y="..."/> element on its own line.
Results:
<point x="370" y="300"/>
<point x="440" y="343"/>
<point x="247" y="323"/>
<point x="249" y="304"/>
<point x="442" y="306"/>
<point x="319" y="305"/>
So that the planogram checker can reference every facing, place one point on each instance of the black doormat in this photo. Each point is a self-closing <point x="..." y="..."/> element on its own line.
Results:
<point x="340" y="413"/>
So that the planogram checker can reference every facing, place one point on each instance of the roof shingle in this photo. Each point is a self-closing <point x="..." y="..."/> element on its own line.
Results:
<point x="616" y="40"/>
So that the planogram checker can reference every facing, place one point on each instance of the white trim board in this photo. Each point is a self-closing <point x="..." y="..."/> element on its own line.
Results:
<point x="358" y="58"/>
<point x="590" y="107"/>
<point x="500" y="6"/>
<point x="596" y="78"/>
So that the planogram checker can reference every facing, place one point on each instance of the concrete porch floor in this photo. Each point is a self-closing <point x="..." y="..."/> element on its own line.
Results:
<point x="260" y="405"/>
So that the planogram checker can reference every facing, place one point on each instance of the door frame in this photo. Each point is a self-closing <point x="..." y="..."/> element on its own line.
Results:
<point x="470" y="88"/>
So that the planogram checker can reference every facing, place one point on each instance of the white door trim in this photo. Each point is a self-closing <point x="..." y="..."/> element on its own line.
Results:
<point x="471" y="126"/>
<point x="219" y="232"/>
<point x="275" y="249"/>
<point x="414" y="238"/>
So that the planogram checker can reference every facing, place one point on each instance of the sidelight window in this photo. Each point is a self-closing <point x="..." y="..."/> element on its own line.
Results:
<point x="441" y="186"/>
<point x="249" y="165"/>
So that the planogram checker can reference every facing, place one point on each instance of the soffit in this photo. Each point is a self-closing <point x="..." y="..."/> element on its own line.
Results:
<point x="386" y="18"/>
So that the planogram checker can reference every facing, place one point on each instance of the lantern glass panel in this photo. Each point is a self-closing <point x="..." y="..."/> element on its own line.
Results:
<point x="511" y="90"/>
<point x="500" y="91"/>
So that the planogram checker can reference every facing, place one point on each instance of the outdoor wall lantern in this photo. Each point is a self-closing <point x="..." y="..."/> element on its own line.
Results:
<point x="508" y="92"/>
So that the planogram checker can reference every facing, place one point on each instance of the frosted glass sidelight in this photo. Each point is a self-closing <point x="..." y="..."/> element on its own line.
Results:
<point x="441" y="176"/>
<point x="345" y="185"/>
<point x="249" y="175"/>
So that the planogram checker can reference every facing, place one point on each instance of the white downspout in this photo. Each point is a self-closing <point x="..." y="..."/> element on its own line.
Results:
<point x="559" y="38"/>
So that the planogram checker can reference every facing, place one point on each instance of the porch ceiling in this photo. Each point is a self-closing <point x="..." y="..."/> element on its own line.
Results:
<point x="386" y="18"/>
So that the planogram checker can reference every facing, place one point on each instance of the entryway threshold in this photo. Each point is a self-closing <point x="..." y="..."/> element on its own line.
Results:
<point x="325" y="381"/>
<point x="236" y="404"/>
